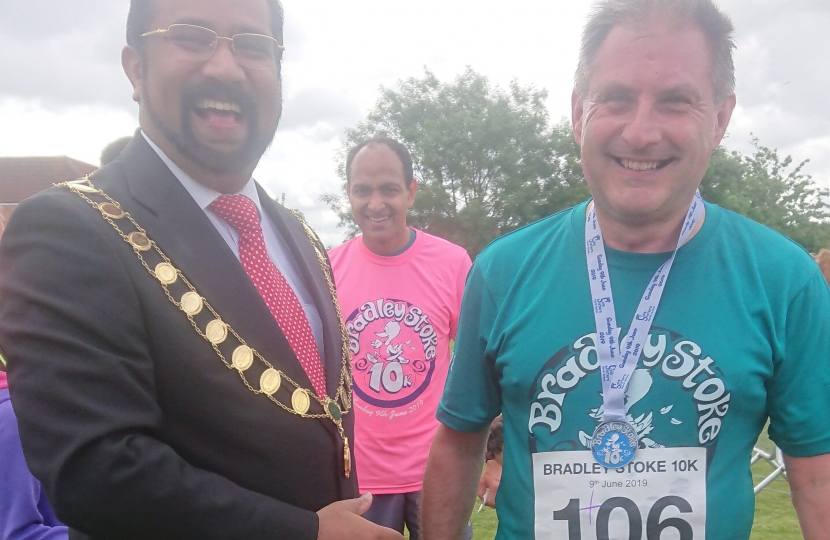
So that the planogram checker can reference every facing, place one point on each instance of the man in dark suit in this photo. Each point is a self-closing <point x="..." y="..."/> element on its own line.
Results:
<point x="179" y="371"/>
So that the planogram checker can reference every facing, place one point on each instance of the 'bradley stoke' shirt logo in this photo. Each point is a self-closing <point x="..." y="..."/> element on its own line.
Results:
<point x="393" y="345"/>
<point x="677" y="395"/>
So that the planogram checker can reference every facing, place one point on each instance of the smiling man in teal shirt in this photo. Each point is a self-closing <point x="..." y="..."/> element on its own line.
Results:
<point x="554" y="313"/>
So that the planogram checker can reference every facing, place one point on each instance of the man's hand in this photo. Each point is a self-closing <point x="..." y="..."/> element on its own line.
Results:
<point x="341" y="520"/>
<point x="489" y="483"/>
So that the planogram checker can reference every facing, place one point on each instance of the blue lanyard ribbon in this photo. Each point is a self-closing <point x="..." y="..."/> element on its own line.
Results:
<point x="618" y="359"/>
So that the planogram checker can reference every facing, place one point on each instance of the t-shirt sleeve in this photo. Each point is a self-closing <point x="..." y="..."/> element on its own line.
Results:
<point x="19" y="510"/>
<point x="472" y="397"/>
<point x="460" y="280"/>
<point x="799" y="390"/>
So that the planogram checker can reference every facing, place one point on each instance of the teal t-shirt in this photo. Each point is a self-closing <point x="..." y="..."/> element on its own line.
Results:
<point x="742" y="334"/>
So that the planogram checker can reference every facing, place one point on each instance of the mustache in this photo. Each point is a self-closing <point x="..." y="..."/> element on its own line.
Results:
<point x="194" y="92"/>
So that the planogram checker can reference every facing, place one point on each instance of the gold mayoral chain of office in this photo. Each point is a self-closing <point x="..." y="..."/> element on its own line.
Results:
<point x="210" y="326"/>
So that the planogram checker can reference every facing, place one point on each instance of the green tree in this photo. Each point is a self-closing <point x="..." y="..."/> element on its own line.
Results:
<point x="772" y="191"/>
<point x="488" y="160"/>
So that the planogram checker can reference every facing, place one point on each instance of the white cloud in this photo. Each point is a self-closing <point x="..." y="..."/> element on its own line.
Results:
<point x="319" y="107"/>
<point x="30" y="128"/>
<point x="63" y="92"/>
<point x="70" y="57"/>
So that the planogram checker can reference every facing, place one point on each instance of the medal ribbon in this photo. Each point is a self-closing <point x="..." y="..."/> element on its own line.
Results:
<point x="619" y="359"/>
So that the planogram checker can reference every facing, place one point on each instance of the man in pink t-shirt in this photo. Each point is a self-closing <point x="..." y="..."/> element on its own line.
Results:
<point x="400" y="292"/>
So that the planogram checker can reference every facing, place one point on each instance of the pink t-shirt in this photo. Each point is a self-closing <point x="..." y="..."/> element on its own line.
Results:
<point x="401" y="313"/>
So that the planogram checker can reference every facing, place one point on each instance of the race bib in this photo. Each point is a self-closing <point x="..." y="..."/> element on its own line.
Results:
<point x="660" y="495"/>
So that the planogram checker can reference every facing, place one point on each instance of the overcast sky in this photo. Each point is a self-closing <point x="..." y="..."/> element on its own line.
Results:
<point x="62" y="90"/>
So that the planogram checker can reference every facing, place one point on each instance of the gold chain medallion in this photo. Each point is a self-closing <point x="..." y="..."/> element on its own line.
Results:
<point x="192" y="303"/>
<point x="300" y="401"/>
<point x="216" y="331"/>
<point x="111" y="211"/>
<point x="166" y="273"/>
<point x="243" y="358"/>
<point x="270" y="381"/>
<point x="139" y="241"/>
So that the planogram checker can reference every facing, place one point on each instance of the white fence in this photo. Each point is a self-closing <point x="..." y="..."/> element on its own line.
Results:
<point x="775" y="459"/>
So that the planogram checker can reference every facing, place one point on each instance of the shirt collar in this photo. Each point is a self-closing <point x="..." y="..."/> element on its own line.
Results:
<point x="203" y="195"/>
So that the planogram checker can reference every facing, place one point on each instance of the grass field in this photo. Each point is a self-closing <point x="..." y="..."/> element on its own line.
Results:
<point x="774" y="514"/>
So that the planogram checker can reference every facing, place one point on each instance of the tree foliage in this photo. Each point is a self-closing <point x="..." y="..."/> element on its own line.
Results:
<point x="489" y="160"/>
<point x="771" y="191"/>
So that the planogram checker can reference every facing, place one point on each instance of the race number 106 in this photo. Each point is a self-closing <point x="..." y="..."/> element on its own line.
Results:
<point x="655" y="523"/>
<point x="660" y="495"/>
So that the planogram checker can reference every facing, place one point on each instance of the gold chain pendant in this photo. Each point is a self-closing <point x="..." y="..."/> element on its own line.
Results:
<point x="347" y="457"/>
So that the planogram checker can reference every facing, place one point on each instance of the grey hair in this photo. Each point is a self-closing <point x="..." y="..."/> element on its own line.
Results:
<point x="714" y="23"/>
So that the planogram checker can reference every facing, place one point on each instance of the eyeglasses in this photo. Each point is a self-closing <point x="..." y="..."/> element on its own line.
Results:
<point x="197" y="43"/>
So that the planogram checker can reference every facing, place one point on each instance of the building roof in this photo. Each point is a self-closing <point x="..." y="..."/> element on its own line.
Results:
<point x="22" y="177"/>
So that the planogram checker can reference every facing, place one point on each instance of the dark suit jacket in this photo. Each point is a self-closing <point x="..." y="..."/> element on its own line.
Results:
<point x="127" y="416"/>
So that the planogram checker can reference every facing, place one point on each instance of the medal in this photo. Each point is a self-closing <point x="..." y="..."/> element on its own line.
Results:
<point x="615" y="440"/>
<point x="614" y="444"/>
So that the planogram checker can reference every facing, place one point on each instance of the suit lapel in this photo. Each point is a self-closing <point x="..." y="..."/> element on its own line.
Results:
<point x="182" y="230"/>
<point x="303" y="255"/>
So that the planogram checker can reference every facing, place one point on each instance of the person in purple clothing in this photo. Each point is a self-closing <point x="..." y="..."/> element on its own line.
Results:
<point x="25" y="514"/>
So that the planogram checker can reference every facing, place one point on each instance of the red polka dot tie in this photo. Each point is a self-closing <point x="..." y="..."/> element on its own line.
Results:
<point x="241" y="213"/>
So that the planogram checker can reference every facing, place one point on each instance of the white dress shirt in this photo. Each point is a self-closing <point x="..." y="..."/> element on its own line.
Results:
<point x="274" y="243"/>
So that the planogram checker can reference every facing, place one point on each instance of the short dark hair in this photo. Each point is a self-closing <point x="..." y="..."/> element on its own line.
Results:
<point x="714" y="23"/>
<point x="399" y="149"/>
<point x="141" y="13"/>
